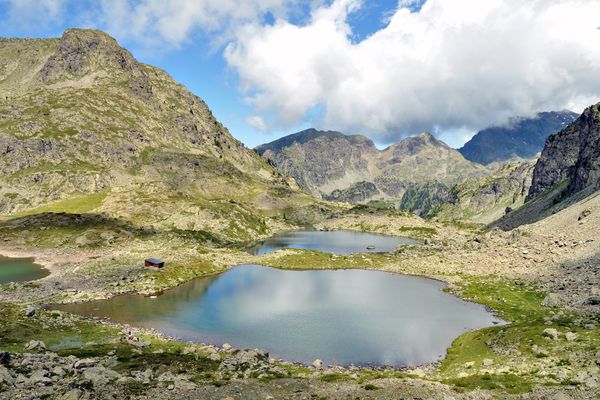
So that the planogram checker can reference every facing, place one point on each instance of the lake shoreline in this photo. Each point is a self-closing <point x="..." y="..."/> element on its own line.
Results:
<point x="376" y="290"/>
<point x="448" y="284"/>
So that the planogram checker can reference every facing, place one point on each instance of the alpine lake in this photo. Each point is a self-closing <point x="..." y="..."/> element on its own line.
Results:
<point x="20" y="270"/>
<point x="343" y="317"/>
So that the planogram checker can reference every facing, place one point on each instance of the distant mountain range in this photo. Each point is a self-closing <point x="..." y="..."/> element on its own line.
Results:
<point x="350" y="168"/>
<point x="520" y="138"/>
<point x="340" y="167"/>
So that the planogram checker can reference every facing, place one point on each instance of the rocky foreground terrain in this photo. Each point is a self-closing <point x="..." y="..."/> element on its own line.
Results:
<point x="105" y="161"/>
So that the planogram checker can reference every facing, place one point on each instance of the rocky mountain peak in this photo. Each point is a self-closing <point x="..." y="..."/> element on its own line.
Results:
<point x="311" y="135"/>
<point x="416" y="144"/>
<point x="426" y="136"/>
<point x="83" y="50"/>
<point x="429" y="139"/>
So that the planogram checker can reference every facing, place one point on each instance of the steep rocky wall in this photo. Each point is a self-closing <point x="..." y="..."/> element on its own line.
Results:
<point x="573" y="153"/>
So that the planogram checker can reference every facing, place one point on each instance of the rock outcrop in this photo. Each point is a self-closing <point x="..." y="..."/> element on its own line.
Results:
<point x="572" y="154"/>
<point x="358" y="192"/>
<point x="81" y="51"/>
<point x="487" y="199"/>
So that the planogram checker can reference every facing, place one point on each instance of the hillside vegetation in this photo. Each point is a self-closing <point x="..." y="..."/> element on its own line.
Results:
<point x="85" y="128"/>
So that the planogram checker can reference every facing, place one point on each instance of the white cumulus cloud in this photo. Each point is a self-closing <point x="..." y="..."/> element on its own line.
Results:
<point x="35" y="13"/>
<point x="173" y="23"/>
<point x="257" y="122"/>
<point x="456" y="65"/>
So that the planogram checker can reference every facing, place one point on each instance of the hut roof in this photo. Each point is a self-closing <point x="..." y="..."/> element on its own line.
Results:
<point x="154" y="260"/>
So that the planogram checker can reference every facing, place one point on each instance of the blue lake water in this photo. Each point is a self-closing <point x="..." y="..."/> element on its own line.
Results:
<point x="338" y="242"/>
<point x="340" y="316"/>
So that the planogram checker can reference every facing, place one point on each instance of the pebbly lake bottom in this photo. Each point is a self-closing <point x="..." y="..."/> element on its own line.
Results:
<point x="342" y="317"/>
<point x="20" y="270"/>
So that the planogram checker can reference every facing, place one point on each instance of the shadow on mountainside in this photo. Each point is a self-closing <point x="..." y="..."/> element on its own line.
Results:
<point x="548" y="203"/>
<point x="61" y="229"/>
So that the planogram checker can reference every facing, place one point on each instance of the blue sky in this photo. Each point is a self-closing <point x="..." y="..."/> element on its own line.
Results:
<point x="387" y="69"/>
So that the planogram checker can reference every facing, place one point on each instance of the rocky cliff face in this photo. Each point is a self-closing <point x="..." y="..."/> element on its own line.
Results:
<point x="519" y="138"/>
<point x="80" y="117"/>
<point x="586" y="171"/>
<point x="572" y="154"/>
<point x="350" y="168"/>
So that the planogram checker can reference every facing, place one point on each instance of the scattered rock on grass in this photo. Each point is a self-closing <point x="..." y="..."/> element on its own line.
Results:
<point x="552" y="300"/>
<point x="550" y="333"/>
<point x="570" y="336"/>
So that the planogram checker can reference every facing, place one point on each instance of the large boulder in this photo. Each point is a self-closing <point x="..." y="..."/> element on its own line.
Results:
<point x="85" y="363"/>
<point x="36" y="345"/>
<point x="39" y="377"/>
<point x="551" y="333"/>
<point x="552" y="300"/>
<point x="249" y="364"/>
<point x="100" y="375"/>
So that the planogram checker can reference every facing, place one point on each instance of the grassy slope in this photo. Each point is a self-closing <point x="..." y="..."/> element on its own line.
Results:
<point x="84" y="141"/>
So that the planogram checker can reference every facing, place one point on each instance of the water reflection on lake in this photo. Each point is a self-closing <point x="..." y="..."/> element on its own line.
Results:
<point x="338" y="242"/>
<point x="340" y="316"/>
